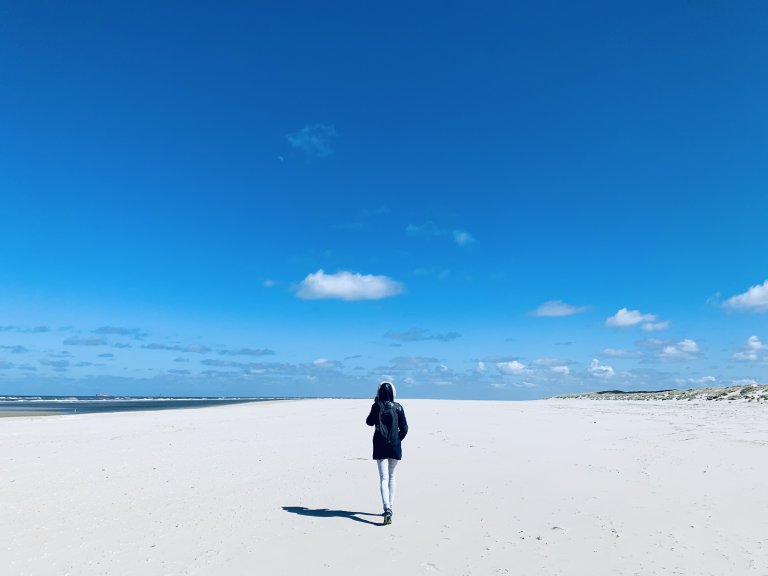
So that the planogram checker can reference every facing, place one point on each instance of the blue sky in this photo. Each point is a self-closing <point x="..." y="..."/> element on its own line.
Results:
<point x="510" y="200"/>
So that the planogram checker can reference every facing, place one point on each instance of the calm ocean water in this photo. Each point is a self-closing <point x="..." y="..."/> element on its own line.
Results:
<point x="91" y="404"/>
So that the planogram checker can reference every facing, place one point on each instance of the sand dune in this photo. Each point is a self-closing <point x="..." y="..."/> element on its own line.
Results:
<point x="743" y="393"/>
<point x="548" y="487"/>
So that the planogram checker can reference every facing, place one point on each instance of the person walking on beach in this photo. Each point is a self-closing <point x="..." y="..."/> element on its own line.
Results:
<point x="391" y="427"/>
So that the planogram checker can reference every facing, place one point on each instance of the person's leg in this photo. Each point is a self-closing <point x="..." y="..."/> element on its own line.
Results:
<point x="384" y="483"/>
<point x="392" y="481"/>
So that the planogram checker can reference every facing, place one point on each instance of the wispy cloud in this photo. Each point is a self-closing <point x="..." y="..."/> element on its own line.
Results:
<point x="314" y="139"/>
<point x="85" y="341"/>
<point x="15" y="349"/>
<point x="420" y="335"/>
<point x="223" y="363"/>
<point x="753" y="300"/>
<point x="652" y="342"/>
<point x="431" y="230"/>
<point x="426" y="229"/>
<point x="25" y="329"/>
<point x="625" y="318"/>
<point x="348" y="286"/>
<point x="555" y="308"/>
<point x="463" y="238"/>
<point x="548" y="361"/>
<point x="411" y="362"/>
<point x="118" y="331"/>
<point x="439" y="273"/>
<point x="620" y="353"/>
<point x="195" y="348"/>
<point x="753" y="351"/>
<point x="247" y="352"/>
<point x="58" y="365"/>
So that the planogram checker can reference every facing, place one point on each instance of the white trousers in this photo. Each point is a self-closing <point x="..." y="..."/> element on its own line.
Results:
<point x="388" y="483"/>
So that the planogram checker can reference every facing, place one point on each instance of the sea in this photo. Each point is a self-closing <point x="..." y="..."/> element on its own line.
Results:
<point x="20" y="405"/>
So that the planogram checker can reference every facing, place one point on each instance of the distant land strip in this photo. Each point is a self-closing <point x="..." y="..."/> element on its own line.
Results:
<point x="745" y="393"/>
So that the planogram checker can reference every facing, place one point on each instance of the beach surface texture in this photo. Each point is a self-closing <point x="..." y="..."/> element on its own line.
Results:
<point x="554" y="487"/>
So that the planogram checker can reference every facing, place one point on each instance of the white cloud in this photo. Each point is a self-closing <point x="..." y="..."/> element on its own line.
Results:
<point x="463" y="238"/>
<point x="348" y="286"/>
<point x="625" y="318"/>
<point x="744" y="382"/>
<point x="326" y="364"/>
<point x="554" y="308"/>
<point x="753" y="300"/>
<point x="268" y="283"/>
<point x="314" y="139"/>
<point x="481" y="368"/>
<point x="655" y="326"/>
<point x="620" y="353"/>
<point x="600" y="370"/>
<point x="698" y="381"/>
<point x="683" y="350"/>
<point x="754" y="351"/>
<point x="511" y="367"/>
<point x="562" y="370"/>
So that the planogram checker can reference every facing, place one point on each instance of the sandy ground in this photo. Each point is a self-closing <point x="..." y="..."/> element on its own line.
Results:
<point x="552" y="487"/>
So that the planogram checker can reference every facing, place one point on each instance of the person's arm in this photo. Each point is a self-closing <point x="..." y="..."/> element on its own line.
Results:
<point x="373" y="416"/>
<point x="402" y="423"/>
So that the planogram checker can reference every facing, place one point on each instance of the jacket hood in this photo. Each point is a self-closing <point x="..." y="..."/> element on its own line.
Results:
<point x="386" y="391"/>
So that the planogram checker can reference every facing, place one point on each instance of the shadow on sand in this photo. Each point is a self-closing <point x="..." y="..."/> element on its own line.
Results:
<point x="325" y="513"/>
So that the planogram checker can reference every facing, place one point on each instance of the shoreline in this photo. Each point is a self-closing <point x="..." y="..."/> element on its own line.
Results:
<point x="23" y="414"/>
<point x="46" y="406"/>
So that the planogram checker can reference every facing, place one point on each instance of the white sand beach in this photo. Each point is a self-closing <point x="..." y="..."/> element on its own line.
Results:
<point x="556" y="487"/>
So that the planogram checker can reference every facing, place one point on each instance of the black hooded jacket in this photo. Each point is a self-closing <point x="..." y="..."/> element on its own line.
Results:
<point x="380" y="448"/>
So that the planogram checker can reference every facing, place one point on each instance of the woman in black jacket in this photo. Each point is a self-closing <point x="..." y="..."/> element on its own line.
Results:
<point x="391" y="427"/>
